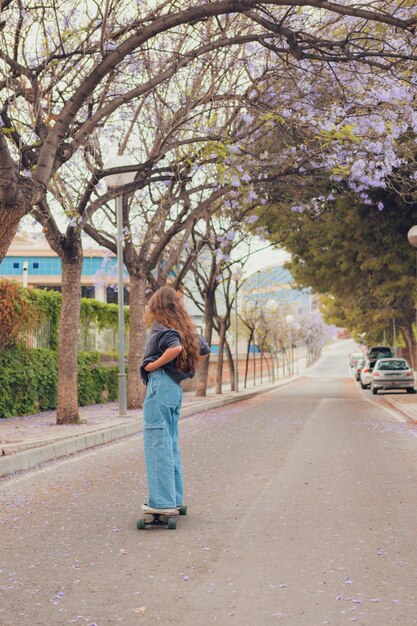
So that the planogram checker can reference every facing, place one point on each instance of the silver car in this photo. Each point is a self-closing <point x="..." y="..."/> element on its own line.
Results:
<point x="357" y="369"/>
<point x="392" y="374"/>
<point x="354" y="358"/>
<point x="366" y="374"/>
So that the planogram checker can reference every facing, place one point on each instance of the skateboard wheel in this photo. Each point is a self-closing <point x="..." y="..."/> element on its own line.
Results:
<point x="141" y="524"/>
<point x="172" y="523"/>
<point x="183" y="510"/>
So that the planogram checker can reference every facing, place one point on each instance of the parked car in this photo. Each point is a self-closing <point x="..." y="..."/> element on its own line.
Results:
<point x="392" y="373"/>
<point x="357" y="369"/>
<point x="377" y="352"/>
<point x="354" y="357"/>
<point x="366" y="374"/>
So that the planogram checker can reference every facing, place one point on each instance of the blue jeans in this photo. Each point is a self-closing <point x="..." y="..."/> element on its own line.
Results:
<point x="162" y="455"/>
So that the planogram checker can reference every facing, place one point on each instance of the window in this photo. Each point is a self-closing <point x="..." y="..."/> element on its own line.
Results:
<point x="87" y="292"/>
<point x="393" y="365"/>
<point x="35" y="265"/>
<point x="16" y="266"/>
<point x="112" y="296"/>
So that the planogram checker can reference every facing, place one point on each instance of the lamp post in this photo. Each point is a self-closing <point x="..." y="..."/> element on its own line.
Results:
<point x="115" y="181"/>
<point x="412" y="239"/>
<point x="25" y="273"/>
<point x="290" y="321"/>
<point x="297" y="327"/>
<point x="237" y="274"/>
<point x="271" y="307"/>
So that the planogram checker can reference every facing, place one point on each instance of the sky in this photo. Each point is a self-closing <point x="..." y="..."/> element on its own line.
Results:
<point x="261" y="256"/>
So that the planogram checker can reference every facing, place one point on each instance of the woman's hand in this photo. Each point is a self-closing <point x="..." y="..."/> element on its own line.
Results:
<point x="169" y="355"/>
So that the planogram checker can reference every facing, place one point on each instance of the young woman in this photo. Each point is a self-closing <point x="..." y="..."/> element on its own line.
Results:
<point x="171" y="355"/>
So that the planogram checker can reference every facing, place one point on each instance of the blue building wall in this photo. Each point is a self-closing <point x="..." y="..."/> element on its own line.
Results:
<point x="48" y="266"/>
<point x="274" y="283"/>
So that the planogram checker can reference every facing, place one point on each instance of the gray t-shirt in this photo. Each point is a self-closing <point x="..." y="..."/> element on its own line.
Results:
<point x="160" y="339"/>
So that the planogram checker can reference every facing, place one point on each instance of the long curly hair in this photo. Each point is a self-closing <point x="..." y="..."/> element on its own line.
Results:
<point x="165" y="306"/>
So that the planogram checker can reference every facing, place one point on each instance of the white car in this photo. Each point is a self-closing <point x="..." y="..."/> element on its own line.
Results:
<point x="354" y="358"/>
<point x="366" y="375"/>
<point x="392" y="374"/>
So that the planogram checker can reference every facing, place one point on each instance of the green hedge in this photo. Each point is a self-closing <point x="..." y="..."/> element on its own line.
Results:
<point x="28" y="380"/>
<point x="46" y="305"/>
<point x="96" y="382"/>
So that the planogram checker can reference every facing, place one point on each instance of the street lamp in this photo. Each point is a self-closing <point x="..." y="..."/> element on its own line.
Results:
<point x="412" y="239"/>
<point x="237" y="274"/>
<point x="297" y="327"/>
<point x="290" y="321"/>
<point x="25" y="268"/>
<point x="271" y="307"/>
<point x="115" y="181"/>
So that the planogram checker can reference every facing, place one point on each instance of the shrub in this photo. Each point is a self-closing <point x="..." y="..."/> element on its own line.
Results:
<point x="24" y="309"/>
<point x="18" y="313"/>
<point x="28" y="380"/>
<point x="17" y="383"/>
<point x="96" y="382"/>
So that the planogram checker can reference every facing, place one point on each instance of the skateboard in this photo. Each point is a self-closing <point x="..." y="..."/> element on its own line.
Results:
<point x="154" y="518"/>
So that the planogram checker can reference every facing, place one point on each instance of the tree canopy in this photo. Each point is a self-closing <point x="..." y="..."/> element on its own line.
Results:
<point x="68" y="68"/>
<point x="357" y="256"/>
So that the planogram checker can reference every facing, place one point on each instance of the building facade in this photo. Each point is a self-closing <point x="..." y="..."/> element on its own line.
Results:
<point x="276" y="283"/>
<point x="31" y="261"/>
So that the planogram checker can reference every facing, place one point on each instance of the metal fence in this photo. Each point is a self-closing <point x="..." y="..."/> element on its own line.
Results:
<point x="90" y="338"/>
<point x="40" y="337"/>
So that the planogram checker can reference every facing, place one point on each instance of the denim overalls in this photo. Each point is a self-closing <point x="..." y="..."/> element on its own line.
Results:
<point x="162" y="456"/>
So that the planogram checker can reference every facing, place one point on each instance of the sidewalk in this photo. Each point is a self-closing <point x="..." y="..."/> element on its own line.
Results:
<point x="403" y="403"/>
<point x="27" y="441"/>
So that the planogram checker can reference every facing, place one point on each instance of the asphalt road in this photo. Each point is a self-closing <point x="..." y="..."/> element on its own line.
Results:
<point x="302" y="511"/>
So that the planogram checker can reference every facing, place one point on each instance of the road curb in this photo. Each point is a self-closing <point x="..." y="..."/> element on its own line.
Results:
<point x="30" y="458"/>
<point x="397" y="406"/>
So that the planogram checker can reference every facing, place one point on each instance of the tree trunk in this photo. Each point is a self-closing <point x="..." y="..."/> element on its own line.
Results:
<point x="201" y="386"/>
<point x="262" y="367"/>
<point x="247" y="356"/>
<point x="18" y="195"/>
<point x="231" y="365"/>
<point x="285" y="363"/>
<point x="407" y="333"/>
<point x="267" y="367"/>
<point x="254" y="364"/>
<point x="67" y="406"/>
<point x="271" y="356"/>
<point x="137" y="340"/>
<point x="9" y="223"/>
<point x="222" y="339"/>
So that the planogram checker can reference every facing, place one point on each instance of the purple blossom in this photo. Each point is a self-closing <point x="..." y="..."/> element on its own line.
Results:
<point x="247" y="118"/>
<point x="110" y="45"/>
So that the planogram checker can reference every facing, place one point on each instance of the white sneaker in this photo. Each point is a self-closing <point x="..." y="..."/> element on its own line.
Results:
<point x="149" y="509"/>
